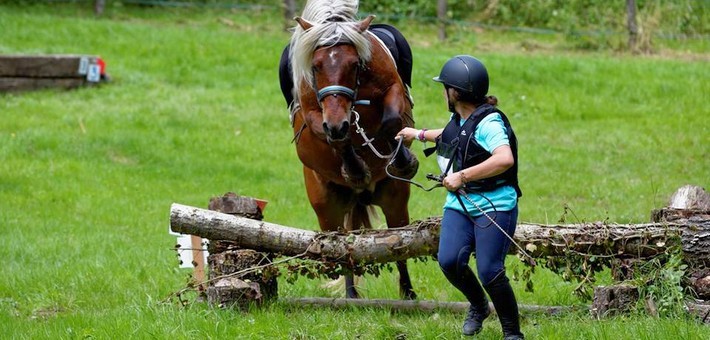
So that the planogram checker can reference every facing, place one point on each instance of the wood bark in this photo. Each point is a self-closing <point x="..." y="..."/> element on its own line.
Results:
<point x="225" y="288"/>
<point x="289" y="13"/>
<point x="374" y="246"/>
<point x="44" y="66"/>
<point x="616" y="299"/>
<point x="99" y="6"/>
<point x="441" y="10"/>
<point x="701" y="309"/>
<point x="17" y="84"/>
<point x="421" y="238"/>
<point x="632" y="25"/>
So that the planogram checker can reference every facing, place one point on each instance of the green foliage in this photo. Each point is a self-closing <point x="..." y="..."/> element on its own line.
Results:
<point x="660" y="283"/>
<point x="573" y="17"/>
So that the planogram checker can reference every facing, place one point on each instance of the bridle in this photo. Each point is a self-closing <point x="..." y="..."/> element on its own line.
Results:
<point x="352" y="95"/>
<point x="342" y="90"/>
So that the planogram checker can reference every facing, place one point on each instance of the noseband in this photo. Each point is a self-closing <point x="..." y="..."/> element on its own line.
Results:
<point x="343" y="90"/>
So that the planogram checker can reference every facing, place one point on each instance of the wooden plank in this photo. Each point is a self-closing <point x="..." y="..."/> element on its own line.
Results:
<point x="28" y="84"/>
<point x="45" y="66"/>
<point x="198" y="259"/>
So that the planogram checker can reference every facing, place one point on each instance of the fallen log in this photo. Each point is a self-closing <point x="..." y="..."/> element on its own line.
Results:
<point x="371" y="246"/>
<point x="421" y="238"/>
<point x="33" y="72"/>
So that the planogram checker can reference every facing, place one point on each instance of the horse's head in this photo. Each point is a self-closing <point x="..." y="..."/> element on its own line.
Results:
<point x="335" y="70"/>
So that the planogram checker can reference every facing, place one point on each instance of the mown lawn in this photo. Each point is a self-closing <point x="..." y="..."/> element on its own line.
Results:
<point x="194" y="110"/>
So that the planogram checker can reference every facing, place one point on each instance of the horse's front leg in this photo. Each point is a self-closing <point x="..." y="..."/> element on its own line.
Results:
<point x="354" y="170"/>
<point x="392" y="196"/>
<point x="330" y="202"/>
<point x="398" y="114"/>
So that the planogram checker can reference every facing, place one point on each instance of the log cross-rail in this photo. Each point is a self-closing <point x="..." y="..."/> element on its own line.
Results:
<point x="367" y="246"/>
<point x="421" y="238"/>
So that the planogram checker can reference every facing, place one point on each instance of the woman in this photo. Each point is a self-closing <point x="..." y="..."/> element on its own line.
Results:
<point x="477" y="153"/>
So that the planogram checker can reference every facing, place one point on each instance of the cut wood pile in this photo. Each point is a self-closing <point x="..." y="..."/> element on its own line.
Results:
<point x="33" y="72"/>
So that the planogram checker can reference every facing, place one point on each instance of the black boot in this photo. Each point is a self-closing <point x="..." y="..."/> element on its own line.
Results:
<point x="468" y="284"/>
<point x="474" y="319"/>
<point x="506" y="306"/>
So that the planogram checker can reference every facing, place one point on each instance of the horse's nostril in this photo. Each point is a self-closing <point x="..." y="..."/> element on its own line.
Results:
<point x="344" y="129"/>
<point x="337" y="132"/>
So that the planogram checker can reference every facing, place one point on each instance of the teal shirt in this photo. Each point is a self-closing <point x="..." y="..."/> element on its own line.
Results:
<point x="490" y="134"/>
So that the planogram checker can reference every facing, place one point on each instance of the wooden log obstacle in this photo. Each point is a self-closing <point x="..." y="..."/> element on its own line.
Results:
<point x="687" y="228"/>
<point x="33" y="72"/>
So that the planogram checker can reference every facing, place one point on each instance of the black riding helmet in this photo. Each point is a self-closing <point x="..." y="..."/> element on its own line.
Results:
<point x="465" y="73"/>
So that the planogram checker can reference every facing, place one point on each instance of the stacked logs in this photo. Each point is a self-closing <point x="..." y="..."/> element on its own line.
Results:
<point x="33" y="72"/>
<point x="231" y="282"/>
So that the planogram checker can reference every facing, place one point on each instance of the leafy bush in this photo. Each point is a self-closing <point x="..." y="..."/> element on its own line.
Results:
<point x="686" y="17"/>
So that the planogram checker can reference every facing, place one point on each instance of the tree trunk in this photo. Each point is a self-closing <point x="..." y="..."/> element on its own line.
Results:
<point x="99" y="6"/>
<point x="441" y="9"/>
<point x="421" y="238"/>
<point x="289" y="13"/>
<point x="372" y="246"/>
<point x="611" y="300"/>
<point x="632" y="25"/>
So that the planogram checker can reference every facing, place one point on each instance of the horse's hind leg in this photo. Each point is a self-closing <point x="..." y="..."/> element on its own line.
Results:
<point x="392" y="198"/>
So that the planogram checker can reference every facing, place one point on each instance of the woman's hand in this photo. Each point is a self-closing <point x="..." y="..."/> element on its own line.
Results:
<point x="408" y="134"/>
<point x="453" y="181"/>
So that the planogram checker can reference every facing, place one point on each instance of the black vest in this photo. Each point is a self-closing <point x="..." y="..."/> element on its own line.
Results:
<point x="457" y="144"/>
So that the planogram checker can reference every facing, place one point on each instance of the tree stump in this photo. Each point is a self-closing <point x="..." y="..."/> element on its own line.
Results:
<point x="233" y="282"/>
<point x="611" y="300"/>
<point x="690" y="205"/>
<point x="701" y="309"/>
<point x="232" y="278"/>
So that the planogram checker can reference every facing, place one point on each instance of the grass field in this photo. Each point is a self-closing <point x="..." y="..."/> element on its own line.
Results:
<point x="194" y="110"/>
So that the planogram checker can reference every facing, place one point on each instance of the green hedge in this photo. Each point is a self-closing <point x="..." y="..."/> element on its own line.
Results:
<point x="662" y="17"/>
<point x="672" y="17"/>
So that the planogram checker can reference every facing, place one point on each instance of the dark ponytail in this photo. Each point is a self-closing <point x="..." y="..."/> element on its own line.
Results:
<point x="492" y="100"/>
<point x="478" y="101"/>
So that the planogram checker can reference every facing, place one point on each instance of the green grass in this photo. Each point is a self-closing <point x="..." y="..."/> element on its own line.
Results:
<point x="194" y="110"/>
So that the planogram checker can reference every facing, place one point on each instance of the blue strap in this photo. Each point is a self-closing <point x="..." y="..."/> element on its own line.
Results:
<point x="335" y="89"/>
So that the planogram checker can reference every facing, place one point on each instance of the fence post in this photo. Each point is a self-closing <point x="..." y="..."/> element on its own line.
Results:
<point x="289" y="13"/>
<point x="441" y="16"/>
<point x="632" y="25"/>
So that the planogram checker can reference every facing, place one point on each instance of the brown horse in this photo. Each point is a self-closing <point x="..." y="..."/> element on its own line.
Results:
<point x="350" y="102"/>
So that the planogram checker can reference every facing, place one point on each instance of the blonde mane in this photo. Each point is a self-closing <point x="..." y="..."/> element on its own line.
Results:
<point x="334" y="21"/>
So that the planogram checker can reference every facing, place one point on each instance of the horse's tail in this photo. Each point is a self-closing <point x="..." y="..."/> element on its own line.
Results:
<point x="361" y="216"/>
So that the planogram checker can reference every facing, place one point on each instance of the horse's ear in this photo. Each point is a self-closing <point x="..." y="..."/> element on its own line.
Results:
<point x="303" y="23"/>
<point x="365" y="24"/>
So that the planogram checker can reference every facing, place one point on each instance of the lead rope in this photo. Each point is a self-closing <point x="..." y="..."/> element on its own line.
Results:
<point x="462" y="192"/>
<point x="368" y="141"/>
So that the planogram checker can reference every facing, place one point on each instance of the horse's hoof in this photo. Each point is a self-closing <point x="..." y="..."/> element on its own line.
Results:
<point x="408" y="170"/>
<point x="356" y="182"/>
